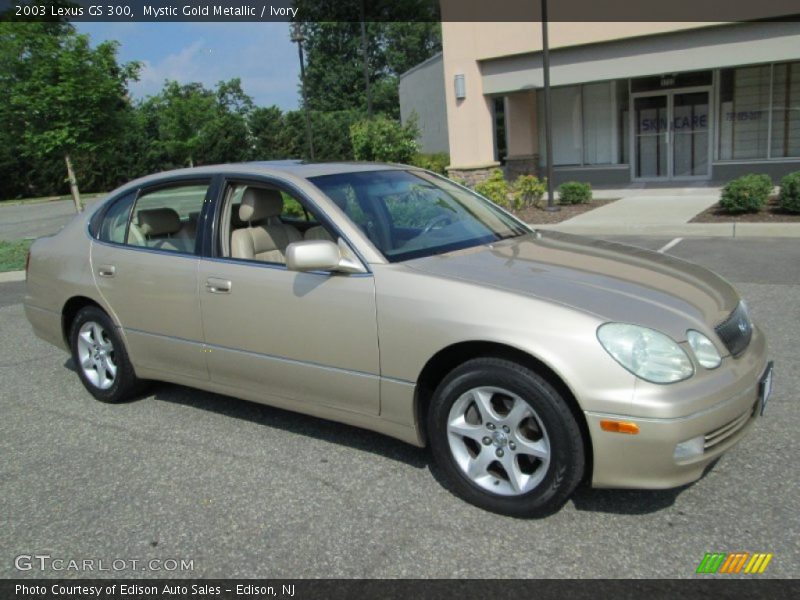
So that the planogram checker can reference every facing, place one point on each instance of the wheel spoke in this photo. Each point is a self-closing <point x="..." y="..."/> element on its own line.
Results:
<point x="97" y="333"/>
<point x="539" y="448"/>
<point x="516" y="478"/>
<point x="86" y="336"/>
<point x="483" y="400"/>
<point x="459" y="426"/>
<point x="477" y="466"/>
<point x="87" y="362"/>
<point x="110" y="367"/>
<point x="519" y="411"/>
<point x="102" y="373"/>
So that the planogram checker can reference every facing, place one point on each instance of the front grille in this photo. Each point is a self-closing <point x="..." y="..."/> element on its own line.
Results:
<point x="719" y="435"/>
<point x="736" y="331"/>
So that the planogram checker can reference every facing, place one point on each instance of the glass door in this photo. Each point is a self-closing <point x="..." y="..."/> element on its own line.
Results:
<point x="651" y="136"/>
<point x="671" y="135"/>
<point x="690" y="120"/>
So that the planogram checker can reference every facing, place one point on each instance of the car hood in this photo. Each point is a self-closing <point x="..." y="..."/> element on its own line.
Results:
<point x="613" y="281"/>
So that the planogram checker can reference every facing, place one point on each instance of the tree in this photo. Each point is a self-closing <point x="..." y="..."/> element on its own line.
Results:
<point x="191" y="125"/>
<point x="67" y="96"/>
<point x="334" y="52"/>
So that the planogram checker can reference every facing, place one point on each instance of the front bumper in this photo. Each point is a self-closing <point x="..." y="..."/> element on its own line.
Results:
<point x="647" y="459"/>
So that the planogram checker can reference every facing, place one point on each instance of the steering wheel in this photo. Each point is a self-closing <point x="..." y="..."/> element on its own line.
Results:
<point x="443" y="219"/>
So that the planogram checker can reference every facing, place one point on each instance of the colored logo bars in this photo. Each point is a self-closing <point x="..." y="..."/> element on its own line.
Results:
<point x="737" y="562"/>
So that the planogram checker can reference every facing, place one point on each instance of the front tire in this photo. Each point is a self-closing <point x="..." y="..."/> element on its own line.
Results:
<point x="100" y="357"/>
<point x="504" y="439"/>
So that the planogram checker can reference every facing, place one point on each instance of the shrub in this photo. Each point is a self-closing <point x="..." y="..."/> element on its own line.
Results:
<point x="789" y="198"/>
<point x="574" y="192"/>
<point x="528" y="191"/>
<point x="436" y="162"/>
<point x="495" y="188"/>
<point x="383" y="139"/>
<point x="748" y="193"/>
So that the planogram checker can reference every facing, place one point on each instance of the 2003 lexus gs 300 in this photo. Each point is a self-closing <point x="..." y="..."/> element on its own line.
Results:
<point x="392" y="299"/>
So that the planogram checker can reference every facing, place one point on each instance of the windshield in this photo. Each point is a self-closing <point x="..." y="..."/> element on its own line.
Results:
<point x="410" y="214"/>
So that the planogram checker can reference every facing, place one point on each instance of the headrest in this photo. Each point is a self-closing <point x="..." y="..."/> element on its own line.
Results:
<point x="260" y="203"/>
<point x="159" y="221"/>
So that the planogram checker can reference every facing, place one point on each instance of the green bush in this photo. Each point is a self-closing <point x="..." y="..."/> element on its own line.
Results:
<point x="436" y="162"/>
<point x="495" y="188"/>
<point x="789" y="198"/>
<point x="748" y="193"/>
<point x="574" y="192"/>
<point x="527" y="191"/>
<point x="385" y="140"/>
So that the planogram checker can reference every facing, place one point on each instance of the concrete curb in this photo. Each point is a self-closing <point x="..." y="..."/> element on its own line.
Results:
<point x="10" y="276"/>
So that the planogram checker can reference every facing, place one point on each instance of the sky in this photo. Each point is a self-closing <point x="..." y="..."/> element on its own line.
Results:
<point x="260" y="54"/>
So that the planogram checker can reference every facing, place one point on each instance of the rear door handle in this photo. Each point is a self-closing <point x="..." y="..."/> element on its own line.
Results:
<point x="215" y="285"/>
<point x="106" y="270"/>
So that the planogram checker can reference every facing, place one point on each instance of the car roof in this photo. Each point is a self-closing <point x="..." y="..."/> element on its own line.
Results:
<point x="298" y="168"/>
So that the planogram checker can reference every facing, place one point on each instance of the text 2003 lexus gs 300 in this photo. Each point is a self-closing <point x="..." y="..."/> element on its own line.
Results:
<point x="389" y="298"/>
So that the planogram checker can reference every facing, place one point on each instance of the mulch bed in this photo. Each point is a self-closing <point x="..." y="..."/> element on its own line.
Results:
<point x="772" y="213"/>
<point x="539" y="216"/>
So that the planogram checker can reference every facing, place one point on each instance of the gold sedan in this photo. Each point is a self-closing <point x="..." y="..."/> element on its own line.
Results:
<point x="392" y="299"/>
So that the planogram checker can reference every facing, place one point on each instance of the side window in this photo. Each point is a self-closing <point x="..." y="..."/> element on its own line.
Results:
<point x="166" y="219"/>
<point x="115" y="221"/>
<point x="258" y="222"/>
<point x="293" y="210"/>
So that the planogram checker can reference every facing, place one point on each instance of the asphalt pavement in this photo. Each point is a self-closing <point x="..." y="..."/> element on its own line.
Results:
<point x="245" y="490"/>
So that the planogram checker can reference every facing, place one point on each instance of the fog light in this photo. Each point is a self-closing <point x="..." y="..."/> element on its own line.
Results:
<point x="690" y="448"/>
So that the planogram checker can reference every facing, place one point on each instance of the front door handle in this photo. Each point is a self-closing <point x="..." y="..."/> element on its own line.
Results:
<point x="215" y="285"/>
<point x="106" y="270"/>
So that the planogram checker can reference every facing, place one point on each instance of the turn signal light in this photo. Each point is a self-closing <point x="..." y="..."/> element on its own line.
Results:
<point x="619" y="427"/>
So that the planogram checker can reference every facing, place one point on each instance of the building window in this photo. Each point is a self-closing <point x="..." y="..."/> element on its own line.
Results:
<point x="786" y="111"/>
<point x="744" y="112"/>
<point x="598" y="123"/>
<point x="567" y="130"/>
<point x="590" y="123"/>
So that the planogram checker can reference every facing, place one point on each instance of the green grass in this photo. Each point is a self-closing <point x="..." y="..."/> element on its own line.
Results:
<point x="12" y="255"/>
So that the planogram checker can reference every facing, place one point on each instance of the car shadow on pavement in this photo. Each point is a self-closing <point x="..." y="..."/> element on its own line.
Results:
<point x="629" y="502"/>
<point x="285" y="420"/>
<point x="624" y="502"/>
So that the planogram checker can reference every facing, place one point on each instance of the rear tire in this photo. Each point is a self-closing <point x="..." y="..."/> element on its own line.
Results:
<point x="504" y="439"/>
<point x="100" y="357"/>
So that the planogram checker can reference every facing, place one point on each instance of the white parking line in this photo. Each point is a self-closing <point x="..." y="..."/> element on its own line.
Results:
<point x="671" y="245"/>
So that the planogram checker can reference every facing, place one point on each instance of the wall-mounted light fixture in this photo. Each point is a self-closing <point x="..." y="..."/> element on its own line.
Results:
<point x="461" y="86"/>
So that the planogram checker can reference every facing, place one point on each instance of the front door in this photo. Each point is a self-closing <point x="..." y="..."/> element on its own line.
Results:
<point x="671" y="135"/>
<point x="301" y="340"/>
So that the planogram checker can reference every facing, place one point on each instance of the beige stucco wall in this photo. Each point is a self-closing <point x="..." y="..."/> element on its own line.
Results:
<point x="470" y="121"/>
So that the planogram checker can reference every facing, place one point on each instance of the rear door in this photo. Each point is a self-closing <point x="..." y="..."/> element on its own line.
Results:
<point x="145" y="266"/>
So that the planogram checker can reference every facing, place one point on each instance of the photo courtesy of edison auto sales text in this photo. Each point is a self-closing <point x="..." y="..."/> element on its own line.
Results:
<point x="126" y="589"/>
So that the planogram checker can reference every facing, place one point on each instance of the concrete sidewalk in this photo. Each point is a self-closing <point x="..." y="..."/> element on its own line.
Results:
<point x="664" y="212"/>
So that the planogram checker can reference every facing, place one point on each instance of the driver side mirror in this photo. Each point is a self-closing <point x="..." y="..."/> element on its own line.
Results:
<point x="322" y="255"/>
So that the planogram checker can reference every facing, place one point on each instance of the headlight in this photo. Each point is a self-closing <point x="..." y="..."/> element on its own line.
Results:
<point x="704" y="349"/>
<point x="645" y="352"/>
